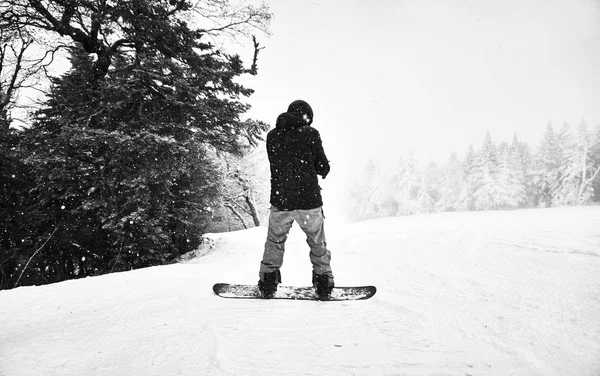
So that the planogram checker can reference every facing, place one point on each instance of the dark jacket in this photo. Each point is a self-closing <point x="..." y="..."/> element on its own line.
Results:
<point x="296" y="157"/>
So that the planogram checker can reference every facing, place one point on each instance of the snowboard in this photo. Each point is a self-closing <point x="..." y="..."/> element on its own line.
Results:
<point x="227" y="290"/>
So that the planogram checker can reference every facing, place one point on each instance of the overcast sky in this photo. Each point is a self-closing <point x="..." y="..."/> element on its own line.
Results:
<point x="388" y="76"/>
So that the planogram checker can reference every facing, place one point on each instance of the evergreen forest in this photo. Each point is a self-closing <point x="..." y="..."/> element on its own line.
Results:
<point x="121" y="163"/>
<point x="563" y="170"/>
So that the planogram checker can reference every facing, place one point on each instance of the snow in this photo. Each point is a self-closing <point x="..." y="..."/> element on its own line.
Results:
<point x="480" y="293"/>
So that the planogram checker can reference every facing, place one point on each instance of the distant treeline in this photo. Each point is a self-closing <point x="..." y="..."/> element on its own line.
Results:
<point x="564" y="170"/>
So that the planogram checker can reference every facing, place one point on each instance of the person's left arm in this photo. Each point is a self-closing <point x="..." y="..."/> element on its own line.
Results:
<point x="321" y="161"/>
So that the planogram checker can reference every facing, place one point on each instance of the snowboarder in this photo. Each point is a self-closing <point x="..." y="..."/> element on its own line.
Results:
<point x="296" y="157"/>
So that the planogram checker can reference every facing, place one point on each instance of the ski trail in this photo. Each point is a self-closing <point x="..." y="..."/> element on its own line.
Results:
<point x="420" y="286"/>
<point x="487" y="293"/>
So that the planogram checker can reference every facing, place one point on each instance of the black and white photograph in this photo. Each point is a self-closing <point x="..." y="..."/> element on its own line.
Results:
<point x="299" y="188"/>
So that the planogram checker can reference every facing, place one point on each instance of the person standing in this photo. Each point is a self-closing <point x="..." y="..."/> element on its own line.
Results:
<point x="296" y="158"/>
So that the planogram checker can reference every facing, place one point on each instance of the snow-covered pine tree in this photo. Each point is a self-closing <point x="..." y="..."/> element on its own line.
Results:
<point x="450" y="189"/>
<point x="448" y="197"/>
<point x="564" y="185"/>
<point x="596" y="161"/>
<point x="524" y="154"/>
<point x="466" y="199"/>
<point x="544" y="173"/>
<point x="433" y="180"/>
<point x="424" y="200"/>
<point x="364" y="196"/>
<point x="375" y="198"/>
<point x="409" y="191"/>
<point x="510" y="188"/>
<point x="518" y="159"/>
<point x="486" y="190"/>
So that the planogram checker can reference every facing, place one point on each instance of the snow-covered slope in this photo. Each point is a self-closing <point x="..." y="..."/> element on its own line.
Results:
<point x="488" y="293"/>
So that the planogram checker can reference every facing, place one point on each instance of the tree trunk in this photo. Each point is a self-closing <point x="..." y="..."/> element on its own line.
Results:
<point x="253" y="211"/>
<point x="236" y="213"/>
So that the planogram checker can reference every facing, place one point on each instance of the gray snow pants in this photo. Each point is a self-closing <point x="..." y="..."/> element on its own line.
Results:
<point x="312" y="223"/>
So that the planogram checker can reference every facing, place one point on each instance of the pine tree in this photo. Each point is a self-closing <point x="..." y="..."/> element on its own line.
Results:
<point x="120" y="167"/>
<point x="515" y="163"/>
<point x="595" y="157"/>
<point x="125" y="163"/>
<point x="121" y="183"/>
<point x="451" y="186"/>
<point x="485" y="195"/>
<point x="372" y="189"/>
<point x="365" y="197"/>
<point x="409" y="191"/>
<point x="466" y="200"/>
<point x="19" y="218"/>
<point x="510" y="187"/>
<point x="433" y="181"/>
<point x="545" y="168"/>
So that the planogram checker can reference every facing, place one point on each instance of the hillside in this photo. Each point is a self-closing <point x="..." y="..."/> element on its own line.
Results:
<point x="486" y="293"/>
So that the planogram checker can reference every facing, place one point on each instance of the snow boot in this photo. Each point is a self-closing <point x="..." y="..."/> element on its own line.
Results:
<point x="267" y="285"/>
<point x="323" y="285"/>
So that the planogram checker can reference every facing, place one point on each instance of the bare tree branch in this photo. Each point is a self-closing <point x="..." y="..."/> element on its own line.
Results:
<point x="15" y="70"/>
<point x="227" y="18"/>
<point x="33" y="255"/>
<point x="237" y="214"/>
<point x="12" y="86"/>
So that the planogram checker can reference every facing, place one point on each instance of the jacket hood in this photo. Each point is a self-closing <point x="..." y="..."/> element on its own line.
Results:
<point x="301" y="108"/>
<point x="289" y="120"/>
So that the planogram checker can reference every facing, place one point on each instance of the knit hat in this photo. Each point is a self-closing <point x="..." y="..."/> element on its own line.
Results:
<point x="301" y="108"/>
